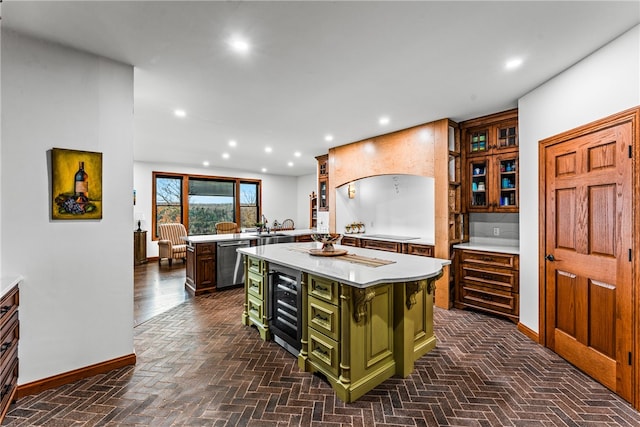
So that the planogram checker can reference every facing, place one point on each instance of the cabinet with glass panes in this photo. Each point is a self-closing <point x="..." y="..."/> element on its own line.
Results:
<point x="491" y="152"/>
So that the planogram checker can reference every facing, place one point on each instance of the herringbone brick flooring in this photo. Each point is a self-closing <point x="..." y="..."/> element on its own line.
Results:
<point x="198" y="366"/>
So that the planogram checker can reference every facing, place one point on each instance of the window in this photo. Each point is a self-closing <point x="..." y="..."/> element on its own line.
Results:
<point x="168" y="200"/>
<point x="249" y="207"/>
<point x="210" y="201"/>
<point x="199" y="202"/>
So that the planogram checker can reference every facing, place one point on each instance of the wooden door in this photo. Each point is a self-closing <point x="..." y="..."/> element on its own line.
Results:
<point x="587" y="202"/>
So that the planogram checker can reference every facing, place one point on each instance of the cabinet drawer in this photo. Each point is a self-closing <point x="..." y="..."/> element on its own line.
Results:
<point x="503" y="279"/>
<point x="205" y="249"/>
<point x="255" y="285"/>
<point x="255" y="265"/>
<point x="324" y="352"/>
<point x="381" y="245"/>
<point x="9" y="381"/>
<point x="304" y="238"/>
<point x="9" y="304"/>
<point x="255" y="309"/>
<point x="323" y="289"/>
<point x="491" y="299"/>
<point x="422" y="250"/>
<point x="9" y="342"/>
<point x="492" y="259"/>
<point x="324" y="317"/>
<point x="349" y="241"/>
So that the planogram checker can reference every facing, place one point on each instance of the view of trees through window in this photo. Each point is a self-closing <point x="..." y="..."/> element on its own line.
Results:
<point x="206" y="202"/>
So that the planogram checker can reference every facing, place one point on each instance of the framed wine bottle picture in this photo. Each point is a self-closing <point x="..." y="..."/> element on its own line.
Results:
<point x="76" y="184"/>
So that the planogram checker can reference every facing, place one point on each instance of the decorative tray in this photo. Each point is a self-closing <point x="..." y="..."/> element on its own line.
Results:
<point x="320" y="252"/>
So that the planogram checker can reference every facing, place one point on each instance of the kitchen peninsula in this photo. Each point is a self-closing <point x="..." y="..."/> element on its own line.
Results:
<point x="208" y="261"/>
<point x="358" y="319"/>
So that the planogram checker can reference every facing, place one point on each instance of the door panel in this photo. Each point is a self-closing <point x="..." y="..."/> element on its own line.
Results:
<point x="588" y="199"/>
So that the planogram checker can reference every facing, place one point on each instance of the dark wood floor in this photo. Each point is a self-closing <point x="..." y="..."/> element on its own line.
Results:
<point x="157" y="288"/>
<point x="197" y="365"/>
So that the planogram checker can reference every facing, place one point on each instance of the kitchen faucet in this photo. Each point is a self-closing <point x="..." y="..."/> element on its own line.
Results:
<point x="264" y="223"/>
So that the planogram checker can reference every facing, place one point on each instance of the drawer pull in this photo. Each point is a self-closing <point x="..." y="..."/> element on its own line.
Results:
<point x="485" y="276"/>
<point x="5" y="346"/>
<point x="321" y="351"/>
<point x="486" y="258"/>
<point x="4" y="309"/>
<point x="5" y="390"/>
<point x="322" y="288"/>
<point x="486" y="297"/>
<point x="321" y="318"/>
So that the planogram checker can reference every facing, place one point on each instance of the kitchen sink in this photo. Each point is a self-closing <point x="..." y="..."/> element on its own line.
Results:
<point x="269" y="239"/>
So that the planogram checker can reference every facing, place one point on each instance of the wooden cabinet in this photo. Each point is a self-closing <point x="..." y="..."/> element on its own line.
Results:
<point x="488" y="281"/>
<point x="492" y="170"/>
<point x="302" y="238"/>
<point x="256" y="295"/>
<point x="9" y="333"/>
<point x="381" y="245"/>
<point x="421" y="250"/>
<point x="349" y="241"/>
<point x="201" y="267"/>
<point x="358" y="338"/>
<point x="139" y="247"/>
<point x="313" y="210"/>
<point x="323" y="182"/>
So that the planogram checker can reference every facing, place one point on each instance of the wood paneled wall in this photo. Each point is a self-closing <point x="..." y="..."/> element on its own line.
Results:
<point x="421" y="150"/>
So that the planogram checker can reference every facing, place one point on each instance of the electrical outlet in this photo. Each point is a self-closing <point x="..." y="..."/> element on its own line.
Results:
<point x="496" y="231"/>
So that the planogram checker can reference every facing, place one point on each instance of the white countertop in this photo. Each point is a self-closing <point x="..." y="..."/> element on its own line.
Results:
<point x="504" y="246"/>
<point x="7" y="282"/>
<point x="404" y="268"/>
<point x="392" y="238"/>
<point x="208" y="238"/>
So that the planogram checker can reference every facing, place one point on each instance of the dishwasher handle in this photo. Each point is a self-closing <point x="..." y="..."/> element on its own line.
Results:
<point x="232" y="244"/>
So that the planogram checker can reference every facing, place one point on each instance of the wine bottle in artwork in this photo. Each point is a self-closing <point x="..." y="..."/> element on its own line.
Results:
<point x="81" y="182"/>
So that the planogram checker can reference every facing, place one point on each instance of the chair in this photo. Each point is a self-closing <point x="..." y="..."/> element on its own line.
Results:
<point x="226" y="227"/>
<point x="171" y="245"/>
<point x="287" y="224"/>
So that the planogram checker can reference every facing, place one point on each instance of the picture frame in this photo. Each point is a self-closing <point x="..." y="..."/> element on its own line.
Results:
<point x="76" y="185"/>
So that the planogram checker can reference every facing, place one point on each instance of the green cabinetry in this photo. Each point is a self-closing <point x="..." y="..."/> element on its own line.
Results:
<point x="256" y="294"/>
<point x="359" y="337"/>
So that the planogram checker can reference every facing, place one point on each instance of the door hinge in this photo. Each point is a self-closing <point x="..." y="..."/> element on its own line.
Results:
<point x="630" y="152"/>
<point x="630" y="359"/>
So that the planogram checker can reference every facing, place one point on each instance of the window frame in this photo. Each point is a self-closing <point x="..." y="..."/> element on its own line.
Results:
<point x="184" y="202"/>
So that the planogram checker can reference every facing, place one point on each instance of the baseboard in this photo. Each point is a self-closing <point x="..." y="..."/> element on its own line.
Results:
<point x="533" y="336"/>
<point x="39" y="386"/>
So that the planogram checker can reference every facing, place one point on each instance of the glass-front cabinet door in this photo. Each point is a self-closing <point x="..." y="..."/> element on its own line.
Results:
<point x="508" y="183"/>
<point x="478" y="170"/>
<point x="323" y="201"/>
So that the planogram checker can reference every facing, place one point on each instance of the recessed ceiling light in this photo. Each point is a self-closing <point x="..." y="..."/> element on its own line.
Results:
<point x="232" y="143"/>
<point x="268" y="149"/>
<point x="513" y="63"/>
<point x="328" y="138"/>
<point x="263" y="170"/>
<point x="239" y="44"/>
<point x="225" y="155"/>
<point x="180" y="113"/>
<point x="290" y="164"/>
<point x="205" y="163"/>
<point x="383" y="120"/>
<point x="297" y="154"/>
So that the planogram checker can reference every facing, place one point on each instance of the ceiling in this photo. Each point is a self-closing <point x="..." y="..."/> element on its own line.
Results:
<point x="317" y="68"/>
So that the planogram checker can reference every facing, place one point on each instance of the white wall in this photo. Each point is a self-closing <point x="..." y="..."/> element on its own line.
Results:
<point x="279" y="194"/>
<point x="306" y="185"/>
<point x="401" y="205"/>
<point x="602" y="84"/>
<point x="76" y="300"/>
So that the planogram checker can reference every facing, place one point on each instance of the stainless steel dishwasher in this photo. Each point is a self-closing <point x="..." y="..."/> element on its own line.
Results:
<point x="229" y="267"/>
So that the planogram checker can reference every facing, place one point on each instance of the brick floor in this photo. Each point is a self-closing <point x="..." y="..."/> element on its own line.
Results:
<point x="199" y="366"/>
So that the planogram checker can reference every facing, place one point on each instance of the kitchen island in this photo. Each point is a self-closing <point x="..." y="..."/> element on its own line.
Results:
<point x="360" y="319"/>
